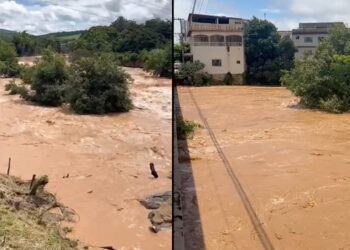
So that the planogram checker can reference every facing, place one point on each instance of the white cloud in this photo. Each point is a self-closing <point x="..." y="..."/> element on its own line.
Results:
<point x="297" y="11"/>
<point x="44" y="16"/>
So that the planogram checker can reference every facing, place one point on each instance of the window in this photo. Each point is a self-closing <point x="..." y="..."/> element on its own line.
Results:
<point x="308" y="39"/>
<point x="297" y="37"/>
<point x="238" y="62"/>
<point x="238" y="22"/>
<point x="216" y="62"/>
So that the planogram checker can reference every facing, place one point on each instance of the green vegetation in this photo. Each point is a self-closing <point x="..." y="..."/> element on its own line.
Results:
<point x="15" y="89"/>
<point x="192" y="74"/>
<point x="131" y="44"/>
<point x="323" y="81"/>
<point x="178" y="51"/>
<point x="266" y="53"/>
<point x="26" y="221"/>
<point x="228" y="80"/>
<point x="8" y="61"/>
<point x="159" y="61"/>
<point x="97" y="86"/>
<point x="49" y="80"/>
<point x="185" y="129"/>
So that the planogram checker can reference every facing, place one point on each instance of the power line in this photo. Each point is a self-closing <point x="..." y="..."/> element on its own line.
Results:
<point x="200" y="8"/>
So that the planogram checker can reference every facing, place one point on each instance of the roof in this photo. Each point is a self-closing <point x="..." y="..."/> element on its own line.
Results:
<point x="310" y="31"/>
<point x="210" y="17"/>
<point x="316" y="28"/>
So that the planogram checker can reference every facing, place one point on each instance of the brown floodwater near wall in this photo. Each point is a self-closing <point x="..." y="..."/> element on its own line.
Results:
<point x="107" y="158"/>
<point x="292" y="163"/>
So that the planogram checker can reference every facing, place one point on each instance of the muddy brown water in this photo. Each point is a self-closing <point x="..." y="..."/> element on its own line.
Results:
<point x="107" y="158"/>
<point x="292" y="163"/>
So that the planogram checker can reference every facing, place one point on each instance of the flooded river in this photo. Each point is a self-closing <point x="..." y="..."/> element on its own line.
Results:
<point x="292" y="163"/>
<point x="107" y="159"/>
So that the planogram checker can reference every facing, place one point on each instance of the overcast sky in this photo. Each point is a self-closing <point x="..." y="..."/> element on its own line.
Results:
<point x="285" y="14"/>
<point x="45" y="16"/>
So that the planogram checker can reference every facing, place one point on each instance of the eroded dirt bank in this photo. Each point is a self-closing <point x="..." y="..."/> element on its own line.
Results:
<point x="107" y="159"/>
<point x="292" y="163"/>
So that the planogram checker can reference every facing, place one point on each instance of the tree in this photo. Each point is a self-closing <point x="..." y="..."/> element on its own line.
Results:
<point x="122" y="24"/>
<point x="159" y="62"/>
<point x="178" y="51"/>
<point x="8" y="60"/>
<point x="287" y="51"/>
<point x="24" y="43"/>
<point x="97" y="85"/>
<point x="266" y="54"/>
<point x="340" y="39"/>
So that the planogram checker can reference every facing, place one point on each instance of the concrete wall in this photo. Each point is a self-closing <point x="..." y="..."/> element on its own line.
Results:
<point x="303" y="46"/>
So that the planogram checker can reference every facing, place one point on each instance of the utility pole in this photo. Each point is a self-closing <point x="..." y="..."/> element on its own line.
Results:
<point x="194" y="6"/>
<point x="182" y="36"/>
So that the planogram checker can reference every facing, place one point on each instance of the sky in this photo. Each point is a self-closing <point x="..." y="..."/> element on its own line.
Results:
<point x="45" y="16"/>
<point x="285" y="14"/>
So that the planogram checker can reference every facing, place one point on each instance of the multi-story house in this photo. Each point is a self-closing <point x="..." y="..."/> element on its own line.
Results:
<point x="217" y="41"/>
<point x="309" y="35"/>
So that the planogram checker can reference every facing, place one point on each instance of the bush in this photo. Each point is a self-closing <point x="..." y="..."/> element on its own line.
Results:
<point x="98" y="86"/>
<point x="27" y="74"/>
<point x="334" y="105"/>
<point x="202" y="79"/>
<point x="49" y="80"/>
<point x="14" y="89"/>
<point x="159" y="62"/>
<point x="77" y="54"/>
<point x="191" y="74"/>
<point x="185" y="129"/>
<point x="228" y="80"/>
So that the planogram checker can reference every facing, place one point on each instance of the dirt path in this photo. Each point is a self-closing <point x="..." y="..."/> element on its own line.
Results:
<point x="292" y="164"/>
<point x="106" y="157"/>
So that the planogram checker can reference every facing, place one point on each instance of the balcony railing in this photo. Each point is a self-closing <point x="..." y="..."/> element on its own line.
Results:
<point x="214" y="27"/>
<point x="231" y="44"/>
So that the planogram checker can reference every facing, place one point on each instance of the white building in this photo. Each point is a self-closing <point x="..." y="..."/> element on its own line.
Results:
<point x="309" y="35"/>
<point x="218" y="43"/>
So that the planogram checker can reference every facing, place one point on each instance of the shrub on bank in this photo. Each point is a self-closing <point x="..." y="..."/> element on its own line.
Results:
<point x="97" y="85"/>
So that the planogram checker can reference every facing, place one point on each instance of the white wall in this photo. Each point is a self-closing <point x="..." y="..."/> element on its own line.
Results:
<point x="206" y="54"/>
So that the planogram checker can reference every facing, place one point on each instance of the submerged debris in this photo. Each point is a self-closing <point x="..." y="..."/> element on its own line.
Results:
<point x="161" y="214"/>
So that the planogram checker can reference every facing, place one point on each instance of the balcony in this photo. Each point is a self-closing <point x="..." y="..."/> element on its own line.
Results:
<point x="213" y="44"/>
<point x="192" y="26"/>
<point x="217" y="40"/>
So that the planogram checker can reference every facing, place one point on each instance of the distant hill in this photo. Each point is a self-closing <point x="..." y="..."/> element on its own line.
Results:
<point x="7" y="34"/>
<point x="65" y="35"/>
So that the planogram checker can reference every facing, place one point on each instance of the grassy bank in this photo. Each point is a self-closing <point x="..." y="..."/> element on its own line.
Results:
<point x="31" y="221"/>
